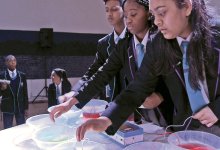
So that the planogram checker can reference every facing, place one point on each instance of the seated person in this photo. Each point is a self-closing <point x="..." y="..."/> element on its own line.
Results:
<point x="60" y="86"/>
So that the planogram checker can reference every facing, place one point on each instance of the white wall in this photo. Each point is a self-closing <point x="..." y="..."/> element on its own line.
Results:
<point x="80" y="16"/>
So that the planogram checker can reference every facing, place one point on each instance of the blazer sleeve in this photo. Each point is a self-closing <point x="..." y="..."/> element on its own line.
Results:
<point x="102" y="77"/>
<point x="99" y="60"/>
<point x="214" y="104"/>
<point x="134" y="95"/>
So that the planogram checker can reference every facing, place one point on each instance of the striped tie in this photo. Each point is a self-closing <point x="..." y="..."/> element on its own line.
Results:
<point x="195" y="96"/>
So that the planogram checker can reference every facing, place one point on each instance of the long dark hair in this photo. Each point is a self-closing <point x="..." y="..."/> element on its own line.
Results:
<point x="199" y="52"/>
<point x="62" y="74"/>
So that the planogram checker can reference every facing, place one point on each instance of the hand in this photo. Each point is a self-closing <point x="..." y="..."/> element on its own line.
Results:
<point x="206" y="117"/>
<point x="62" y="99"/>
<point x="66" y="96"/>
<point x="100" y="124"/>
<point x="154" y="100"/>
<point x="62" y="108"/>
<point x="3" y="86"/>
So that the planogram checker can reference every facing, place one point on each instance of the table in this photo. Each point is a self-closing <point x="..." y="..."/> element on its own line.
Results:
<point x="19" y="138"/>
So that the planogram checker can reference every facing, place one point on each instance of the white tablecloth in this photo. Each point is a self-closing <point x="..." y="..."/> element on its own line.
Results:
<point x="19" y="138"/>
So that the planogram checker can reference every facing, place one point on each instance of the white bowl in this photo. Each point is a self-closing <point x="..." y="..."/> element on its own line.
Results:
<point x="194" y="140"/>
<point x="50" y="136"/>
<point x="94" y="108"/>
<point x="73" y="115"/>
<point x="85" y="145"/>
<point x="42" y="120"/>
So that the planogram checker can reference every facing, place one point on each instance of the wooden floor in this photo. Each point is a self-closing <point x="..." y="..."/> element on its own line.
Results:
<point x="38" y="107"/>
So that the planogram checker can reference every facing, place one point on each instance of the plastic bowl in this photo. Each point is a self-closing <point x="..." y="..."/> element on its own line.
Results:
<point x="50" y="136"/>
<point x="151" y="146"/>
<point x="94" y="108"/>
<point x="85" y="145"/>
<point x="73" y="108"/>
<point x="39" y="121"/>
<point x="195" y="140"/>
<point x="73" y="115"/>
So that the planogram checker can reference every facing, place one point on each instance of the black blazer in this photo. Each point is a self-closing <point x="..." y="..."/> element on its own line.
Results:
<point x="121" y="60"/>
<point x="104" y="48"/>
<point x="147" y="77"/>
<point x="66" y="87"/>
<point x="8" y="98"/>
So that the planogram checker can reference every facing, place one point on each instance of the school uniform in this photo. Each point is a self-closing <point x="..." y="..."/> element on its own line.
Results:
<point x="53" y="90"/>
<point x="14" y="98"/>
<point x="104" y="48"/>
<point x="147" y="77"/>
<point x="123" y="60"/>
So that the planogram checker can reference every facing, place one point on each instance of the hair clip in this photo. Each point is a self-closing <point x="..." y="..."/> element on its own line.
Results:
<point x="143" y="2"/>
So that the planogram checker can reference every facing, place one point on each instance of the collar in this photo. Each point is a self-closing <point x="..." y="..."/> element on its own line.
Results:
<point x="144" y="41"/>
<point x="121" y="36"/>
<point x="180" y="39"/>
<point x="10" y="72"/>
<point x="59" y="85"/>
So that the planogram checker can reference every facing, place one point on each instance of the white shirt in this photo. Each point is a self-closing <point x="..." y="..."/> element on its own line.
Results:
<point x="203" y="84"/>
<point x="121" y="36"/>
<point x="10" y="73"/>
<point x="180" y="39"/>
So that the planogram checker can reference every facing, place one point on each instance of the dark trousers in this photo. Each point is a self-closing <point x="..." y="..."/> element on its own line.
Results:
<point x="8" y="119"/>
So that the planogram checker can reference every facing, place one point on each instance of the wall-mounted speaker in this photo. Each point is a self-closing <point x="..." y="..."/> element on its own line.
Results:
<point x="46" y="37"/>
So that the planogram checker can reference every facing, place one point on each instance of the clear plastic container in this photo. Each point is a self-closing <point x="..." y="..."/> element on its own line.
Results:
<point x="194" y="140"/>
<point x="85" y="145"/>
<point x="151" y="146"/>
<point x="73" y="116"/>
<point x="94" y="108"/>
<point x="42" y="120"/>
<point x="50" y="136"/>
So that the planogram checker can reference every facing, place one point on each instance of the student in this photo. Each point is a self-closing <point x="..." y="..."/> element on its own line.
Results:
<point x="177" y="20"/>
<point x="14" y="95"/>
<point x="114" y="15"/>
<point x="124" y="59"/>
<point x="59" y="86"/>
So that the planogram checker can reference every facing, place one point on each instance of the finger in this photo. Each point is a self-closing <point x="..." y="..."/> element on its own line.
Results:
<point x="82" y="132"/>
<point x="210" y="124"/>
<point x="55" y="113"/>
<point x="78" y="130"/>
<point x="58" y="114"/>
<point x="205" y="122"/>
<point x="52" y="116"/>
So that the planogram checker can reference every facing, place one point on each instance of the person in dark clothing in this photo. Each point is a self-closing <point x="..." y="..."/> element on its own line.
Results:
<point x="60" y="86"/>
<point x="106" y="45"/>
<point x="14" y="95"/>
<point x="185" y="54"/>
<point x="125" y="59"/>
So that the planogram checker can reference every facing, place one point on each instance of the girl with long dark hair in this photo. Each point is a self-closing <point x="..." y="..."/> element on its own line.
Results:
<point x="185" y="53"/>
